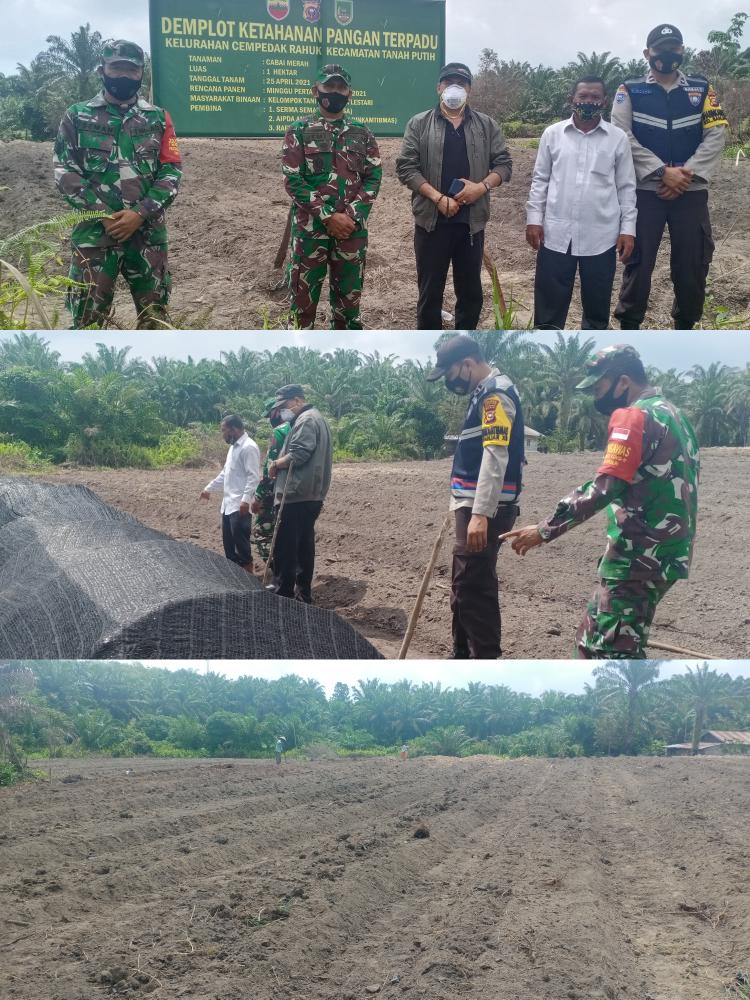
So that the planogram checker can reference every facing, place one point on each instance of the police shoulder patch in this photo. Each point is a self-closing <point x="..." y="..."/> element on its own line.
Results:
<point x="495" y="423"/>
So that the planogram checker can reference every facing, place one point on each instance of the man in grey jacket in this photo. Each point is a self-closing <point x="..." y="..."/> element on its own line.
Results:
<point x="451" y="158"/>
<point x="305" y="460"/>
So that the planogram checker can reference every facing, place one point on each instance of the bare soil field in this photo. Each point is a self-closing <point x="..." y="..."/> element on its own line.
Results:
<point x="440" y="878"/>
<point x="380" y="521"/>
<point x="227" y="222"/>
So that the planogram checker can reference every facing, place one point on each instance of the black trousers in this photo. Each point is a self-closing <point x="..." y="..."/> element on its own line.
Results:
<point x="691" y="251"/>
<point x="294" y="556"/>
<point x="553" y="288"/>
<point x="235" y="534"/>
<point x="450" y="243"/>
<point x="475" y="601"/>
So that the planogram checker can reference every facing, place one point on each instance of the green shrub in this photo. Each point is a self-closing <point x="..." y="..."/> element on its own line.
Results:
<point x="17" y="456"/>
<point x="9" y="775"/>
<point x="179" y="447"/>
<point x="523" y="130"/>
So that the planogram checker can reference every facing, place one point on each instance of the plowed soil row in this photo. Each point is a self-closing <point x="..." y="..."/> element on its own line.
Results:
<point x="216" y="880"/>
<point x="227" y="222"/>
<point x="380" y="520"/>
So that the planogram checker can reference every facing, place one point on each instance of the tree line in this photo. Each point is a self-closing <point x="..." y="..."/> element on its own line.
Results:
<point x="112" y="408"/>
<point x="33" y="99"/>
<point x="526" y="98"/>
<point x="66" y="708"/>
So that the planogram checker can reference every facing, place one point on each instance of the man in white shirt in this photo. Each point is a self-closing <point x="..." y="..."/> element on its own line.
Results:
<point x="237" y="481"/>
<point x="581" y="212"/>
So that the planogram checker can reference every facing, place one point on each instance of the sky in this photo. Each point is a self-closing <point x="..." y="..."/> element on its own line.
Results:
<point x="548" y="31"/>
<point x="525" y="676"/>
<point x="662" y="348"/>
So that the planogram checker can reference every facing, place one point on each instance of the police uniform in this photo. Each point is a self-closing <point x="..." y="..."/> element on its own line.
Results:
<point x="678" y="125"/>
<point x="648" y="482"/>
<point x="486" y="480"/>
<point x="110" y="157"/>
<point x="330" y="166"/>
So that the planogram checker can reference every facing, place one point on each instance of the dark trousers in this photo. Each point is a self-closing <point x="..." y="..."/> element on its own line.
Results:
<point x="475" y="602"/>
<point x="294" y="556"/>
<point x="691" y="251"/>
<point x="450" y="243"/>
<point x="553" y="288"/>
<point x="235" y="534"/>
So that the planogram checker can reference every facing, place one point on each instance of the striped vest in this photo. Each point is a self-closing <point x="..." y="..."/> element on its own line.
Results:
<point x="468" y="455"/>
<point x="670" y="124"/>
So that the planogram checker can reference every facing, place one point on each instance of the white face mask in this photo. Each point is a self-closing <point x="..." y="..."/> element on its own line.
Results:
<point x="454" y="97"/>
<point x="287" y="415"/>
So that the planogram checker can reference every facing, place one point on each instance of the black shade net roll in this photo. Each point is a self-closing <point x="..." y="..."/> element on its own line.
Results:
<point x="82" y="580"/>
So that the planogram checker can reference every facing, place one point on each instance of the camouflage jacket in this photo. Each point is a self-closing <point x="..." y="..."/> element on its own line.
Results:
<point x="649" y="483"/>
<point x="265" y="488"/>
<point x="330" y="167"/>
<point x="107" y="159"/>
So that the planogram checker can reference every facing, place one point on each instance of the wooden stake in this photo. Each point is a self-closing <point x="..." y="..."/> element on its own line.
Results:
<point x="678" y="649"/>
<point x="424" y="587"/>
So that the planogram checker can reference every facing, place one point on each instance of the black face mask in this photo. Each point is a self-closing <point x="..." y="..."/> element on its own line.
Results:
<point x="121" y="87"/>
<point x="275" y="421"/>
<point x="332" y="102"/>
<point x="666" y="62"/>
<point x="458" y="386"/>
<point x="608" y="403"/>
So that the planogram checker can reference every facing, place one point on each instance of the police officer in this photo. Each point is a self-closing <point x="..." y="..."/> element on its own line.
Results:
<point x="677" y="133"/>
<point x="648" y="481"/>
<point x="485" y="485"/>
<point x="331" y="163"/>
<point x="117" y="155"/>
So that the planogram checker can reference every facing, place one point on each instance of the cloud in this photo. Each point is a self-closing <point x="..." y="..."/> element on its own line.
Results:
<point x="546" y="33"/>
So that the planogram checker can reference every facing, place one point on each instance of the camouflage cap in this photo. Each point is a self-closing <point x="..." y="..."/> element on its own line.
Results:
<point x="270" y="405"/>
<point x="119" y="50"/>
<point x="333" y="71"/>
<point x="608" y="360"/>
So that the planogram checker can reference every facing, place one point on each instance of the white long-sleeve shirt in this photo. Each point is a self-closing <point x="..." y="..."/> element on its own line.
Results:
<point x="583" y="188"/>
<point x="240" y="475"/>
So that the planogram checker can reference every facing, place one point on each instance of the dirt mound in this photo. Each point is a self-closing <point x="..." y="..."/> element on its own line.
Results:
<point x="228" y="219"/>
<point x="540" y="880"/>
<point x="380" y="520"/>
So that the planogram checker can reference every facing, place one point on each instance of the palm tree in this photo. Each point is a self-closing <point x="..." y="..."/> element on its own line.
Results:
<point x="112" y="360"/>
<point x="562" y="367"/>
<point x="76" y="60"/>
<point x="634" y="69"/>
<point x="739" y="405"/>
<point x="704" y="692"/>
<point x="601" y="64"/>
<point x="28" y="350"/>
<point x="629" y="678"/>
<point x="708" y="396"/>
<point x="16" y="681"/>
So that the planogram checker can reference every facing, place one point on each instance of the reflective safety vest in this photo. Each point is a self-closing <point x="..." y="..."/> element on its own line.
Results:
<point x="479" y="431"/>
<point x="669" y="123"/>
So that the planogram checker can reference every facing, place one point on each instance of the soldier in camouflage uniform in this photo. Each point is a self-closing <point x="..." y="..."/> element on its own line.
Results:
<point x="331" y="163"/>
<point x="117" y="154"/>
<point x="648" y="482"/>
<point x="262" y="505"/>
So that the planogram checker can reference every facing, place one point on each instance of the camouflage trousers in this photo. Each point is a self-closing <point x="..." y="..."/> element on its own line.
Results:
<point x="344" y="260"/>
<point x="263" y="531"/>
<point x="618" y="619"/>
<point x="144" y="267"/>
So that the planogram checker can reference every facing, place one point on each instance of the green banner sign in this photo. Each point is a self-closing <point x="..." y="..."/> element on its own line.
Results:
<point x="245" y="67"/>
